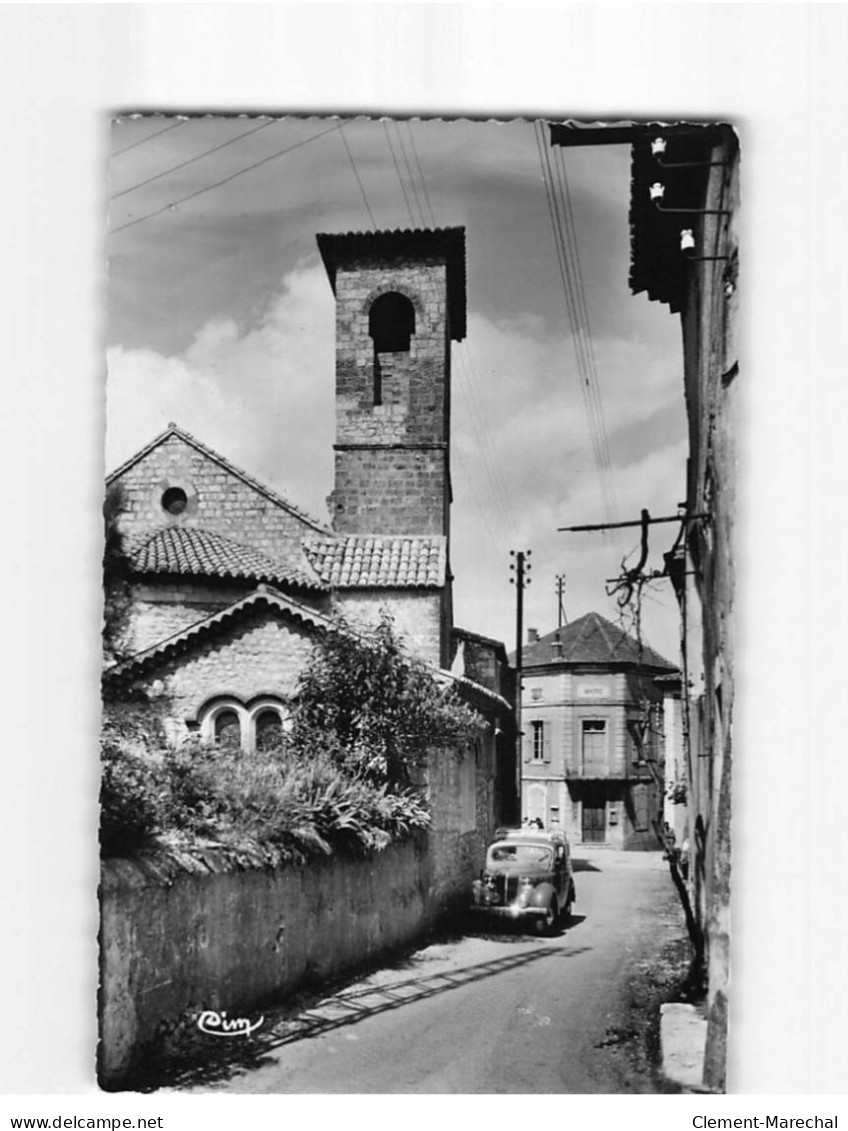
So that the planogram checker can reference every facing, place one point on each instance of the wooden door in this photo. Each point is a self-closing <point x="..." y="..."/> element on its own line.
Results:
<point x="594" y="818"/>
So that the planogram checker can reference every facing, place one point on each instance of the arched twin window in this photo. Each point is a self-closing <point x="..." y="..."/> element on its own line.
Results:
<point x="391" y="325"/>
<point x="260" y="725"/>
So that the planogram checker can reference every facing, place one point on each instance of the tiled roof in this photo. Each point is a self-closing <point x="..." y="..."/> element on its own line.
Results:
<point x="496" y="646"/>
<point x="190" y="551"/>
<point x="591" y="640"/>
<point x="421" y="243"/>
<point x="173" y="430"/>
<point x="183" y="640"/>
<point x="361" y="561"/>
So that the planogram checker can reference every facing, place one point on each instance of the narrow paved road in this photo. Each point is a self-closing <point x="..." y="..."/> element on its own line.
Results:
<point x="495" y="1012"/>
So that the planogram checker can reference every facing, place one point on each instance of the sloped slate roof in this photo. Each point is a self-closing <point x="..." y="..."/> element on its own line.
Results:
<point x="184" y="639"/>
<point x="190" y="551"/>
<point x="592" y="640"/>
<point x="174" y="430"/>
<point x="360" y="561"/>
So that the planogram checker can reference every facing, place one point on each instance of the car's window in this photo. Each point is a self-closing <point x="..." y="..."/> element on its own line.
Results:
<point x="536" y="854"/>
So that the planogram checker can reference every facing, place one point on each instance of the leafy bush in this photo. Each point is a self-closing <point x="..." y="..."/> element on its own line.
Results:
<point x="133" y="790"/>
<point x="377" y="710"/>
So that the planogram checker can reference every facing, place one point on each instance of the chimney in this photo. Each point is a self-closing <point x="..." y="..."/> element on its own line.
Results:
<point x="556" y="646"/>
<point x="532" y="635"/>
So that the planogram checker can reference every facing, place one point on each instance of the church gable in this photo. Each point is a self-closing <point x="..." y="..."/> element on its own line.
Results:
<point x="255" y="647"/>
<point x="178" y="482"/>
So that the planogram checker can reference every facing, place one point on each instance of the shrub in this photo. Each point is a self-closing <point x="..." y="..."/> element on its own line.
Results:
<point x="378" y="710"/>
<point x="133" y="804"/>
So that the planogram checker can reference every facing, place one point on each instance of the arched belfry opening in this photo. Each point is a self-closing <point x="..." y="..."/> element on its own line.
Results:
<point x="391" y="325"/>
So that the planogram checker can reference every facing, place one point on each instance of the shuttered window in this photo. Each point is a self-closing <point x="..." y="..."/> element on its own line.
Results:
<point x="594" y="741"/>
<point x="540" y="741"/>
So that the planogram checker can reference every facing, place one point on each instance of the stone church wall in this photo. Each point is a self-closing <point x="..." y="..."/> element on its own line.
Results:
<point x="217" y="500"/>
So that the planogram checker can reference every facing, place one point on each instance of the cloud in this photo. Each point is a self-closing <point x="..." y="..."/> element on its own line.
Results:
<point x="262" y="397"/>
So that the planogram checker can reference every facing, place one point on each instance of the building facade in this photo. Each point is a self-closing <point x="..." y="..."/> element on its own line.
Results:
<point x="592" y="750"/>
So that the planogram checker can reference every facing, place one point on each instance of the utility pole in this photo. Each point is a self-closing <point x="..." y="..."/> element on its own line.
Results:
<point x="520" y="581"/>
<point x="560" y="586"/>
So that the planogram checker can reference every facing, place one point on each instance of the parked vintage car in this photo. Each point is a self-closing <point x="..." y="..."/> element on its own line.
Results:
<point x="527" y="876"/>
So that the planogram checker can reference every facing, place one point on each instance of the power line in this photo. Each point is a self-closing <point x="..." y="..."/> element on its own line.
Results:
<point x="191" y="160"/>
<point x="565" y="242"/>
<point x="571" y="231"/>
<point x="420" y="172"/>
<point x="358" y="181"/>
<point x="410" y="175"/>
<point x="149" y="137"/>
<point x="226" y="180"/>
<point x="399" y="177"/>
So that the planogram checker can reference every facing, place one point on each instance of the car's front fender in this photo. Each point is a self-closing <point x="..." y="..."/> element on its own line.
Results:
<point x="541" y="895"/>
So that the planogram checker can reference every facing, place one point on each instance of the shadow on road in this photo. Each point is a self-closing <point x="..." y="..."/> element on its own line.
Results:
<point x="584" y="866"/>
<point x="211" y="1064"/>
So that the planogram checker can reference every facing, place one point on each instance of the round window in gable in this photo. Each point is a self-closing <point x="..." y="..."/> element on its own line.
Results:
<point x="174" y="500"/>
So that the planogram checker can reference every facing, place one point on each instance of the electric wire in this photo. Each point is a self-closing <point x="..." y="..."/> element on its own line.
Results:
<point x="562" y="222"/>
<point x="226" y="180"/>
<point x="191" y="160"/>
<point x="417" y="159"/>
<point x="410" y="175"/>
<point x="571" y="232"/>
<point x="149" y="137"/>
<point x="577" y="338"/>
<point x="469" y="395"/>
<point x="358" y="179"/>
<point x="397" y="170"/>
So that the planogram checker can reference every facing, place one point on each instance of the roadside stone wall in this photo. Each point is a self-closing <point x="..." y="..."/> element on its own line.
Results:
<point x="178" y="937"/>
<point x="176" y="942"/>
<point x="458" y="851"/>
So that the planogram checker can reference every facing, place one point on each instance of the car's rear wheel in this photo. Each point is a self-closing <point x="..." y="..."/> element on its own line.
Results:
<point x="546" y="924"/>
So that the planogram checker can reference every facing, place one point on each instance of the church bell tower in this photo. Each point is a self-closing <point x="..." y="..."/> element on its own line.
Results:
<point x="400" y="302"/>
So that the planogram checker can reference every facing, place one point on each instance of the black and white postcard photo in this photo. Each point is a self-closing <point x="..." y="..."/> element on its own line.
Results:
<point x="419" y="578"/>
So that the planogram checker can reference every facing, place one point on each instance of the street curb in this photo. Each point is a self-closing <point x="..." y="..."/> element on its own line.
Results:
<point x="683" y="1037"/>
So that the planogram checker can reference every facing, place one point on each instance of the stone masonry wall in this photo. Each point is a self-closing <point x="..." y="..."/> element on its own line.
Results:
<point x="390" y="491"/>
<point x="458" y="855"/>
<point x="416" y="613"/>
<point x="217" y="500"/>
<point x="260" y="655"/>
<point x="177" y="941"/>
<point x="395" y="479"/>
<point x="158" y="613"/>
<point x="418" y="377"/>
<point x="223" y="939"/>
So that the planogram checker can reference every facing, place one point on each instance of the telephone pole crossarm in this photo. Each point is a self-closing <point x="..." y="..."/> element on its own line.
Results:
<point x="636" y="522"/>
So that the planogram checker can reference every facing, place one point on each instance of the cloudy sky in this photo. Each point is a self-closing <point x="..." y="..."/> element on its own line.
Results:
<point x="221" y="319"/>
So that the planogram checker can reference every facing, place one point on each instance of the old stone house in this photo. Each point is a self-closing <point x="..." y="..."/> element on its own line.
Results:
<point x="592" y="750"/>
<point x="228" y="583"/>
